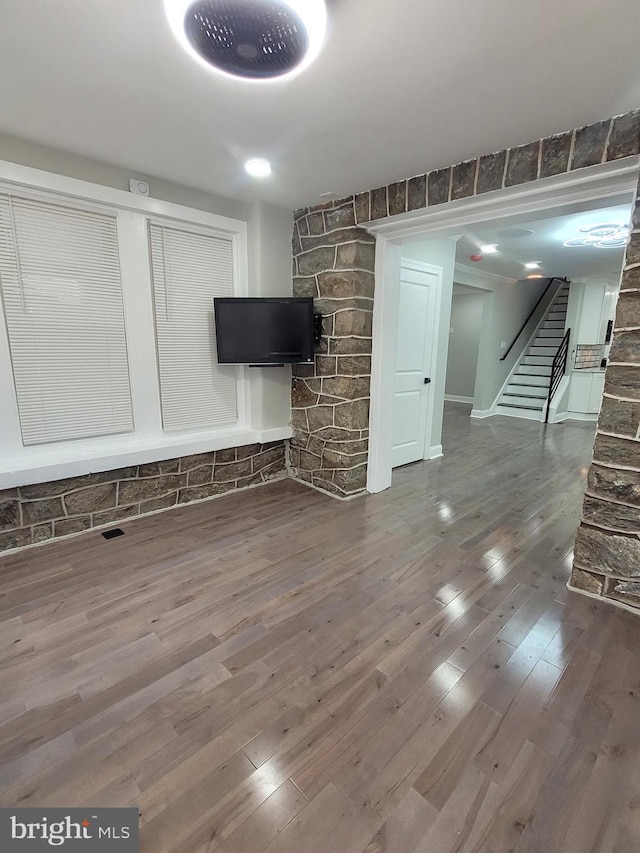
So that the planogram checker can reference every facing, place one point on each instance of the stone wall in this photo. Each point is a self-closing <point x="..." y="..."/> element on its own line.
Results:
<point x="36" y="513"/>
<point x="333" y="261"/>
<point x="607" y="552"/>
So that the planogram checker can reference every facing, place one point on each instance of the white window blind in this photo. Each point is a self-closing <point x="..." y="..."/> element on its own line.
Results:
<point x="188" y="269"/>
<point x="62" y="293"/>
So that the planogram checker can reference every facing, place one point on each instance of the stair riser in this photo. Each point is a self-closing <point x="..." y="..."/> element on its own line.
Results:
<point x="546" y="343"/>
<point x="534" y="368"/>
<point x="539" y="360"/>
<point x="531" y="381"/>
<point x="526" y="391"/>
<point x="522" y="402"/>
<point x="526" y="414"/>
<point x="546" y="352"/>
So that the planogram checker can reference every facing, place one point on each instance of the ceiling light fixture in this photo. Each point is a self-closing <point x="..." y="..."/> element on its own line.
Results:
<point x="536" y="275"/>
<point x="609" y="235"/>
<point x="489" y="250"/>
<point x="258" y="168"/>
<point x="255" y="40"/>
<point x="533" y="265"/>
<point x="514" y="233"/>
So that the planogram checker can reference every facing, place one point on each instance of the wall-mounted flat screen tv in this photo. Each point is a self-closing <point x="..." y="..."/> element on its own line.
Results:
<point x="264" y="330"/>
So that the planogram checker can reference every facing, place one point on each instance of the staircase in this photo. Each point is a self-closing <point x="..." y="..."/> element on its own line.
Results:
<point x="525" y="394"/>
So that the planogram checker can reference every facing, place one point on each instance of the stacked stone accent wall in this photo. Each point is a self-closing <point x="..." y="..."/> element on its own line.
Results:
<point x="36" y="513"/>
<point x="333" y="262"/>
<point x="607" y="552"/>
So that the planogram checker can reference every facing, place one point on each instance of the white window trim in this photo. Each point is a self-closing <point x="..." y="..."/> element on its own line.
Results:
<point x="22" y="466"/>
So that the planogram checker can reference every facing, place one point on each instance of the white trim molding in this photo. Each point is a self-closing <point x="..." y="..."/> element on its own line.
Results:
<point x="451" y="398"/>
<point x="590" y="184"/>
<point x="464" y="274"/>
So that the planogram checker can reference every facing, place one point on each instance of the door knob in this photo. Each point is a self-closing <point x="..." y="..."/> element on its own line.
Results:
<point x="427" y="380"/>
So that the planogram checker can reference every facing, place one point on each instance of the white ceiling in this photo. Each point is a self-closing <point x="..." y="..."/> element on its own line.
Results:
<point x="546" y="246"/>
<point x="400" y="88"/>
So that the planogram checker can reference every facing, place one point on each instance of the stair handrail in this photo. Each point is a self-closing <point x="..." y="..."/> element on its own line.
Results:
<point x="532" y="312"/>
<point x="558" y="370"/>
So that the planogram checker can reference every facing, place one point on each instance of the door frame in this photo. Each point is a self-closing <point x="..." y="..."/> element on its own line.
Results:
<point x="589" y="185"/>
<point x="435" y="300"/>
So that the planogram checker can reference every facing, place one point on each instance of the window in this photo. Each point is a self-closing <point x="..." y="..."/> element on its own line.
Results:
<point x="190" y="268"/>
<point x="107" y="336"/>
<point x="62" y="294"/>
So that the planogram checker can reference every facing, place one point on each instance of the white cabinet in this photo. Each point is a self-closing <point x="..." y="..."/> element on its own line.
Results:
<point x="585" y="392"/>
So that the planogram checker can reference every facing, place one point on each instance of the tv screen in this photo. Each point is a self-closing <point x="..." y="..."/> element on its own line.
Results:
<point x="264" y="330"/>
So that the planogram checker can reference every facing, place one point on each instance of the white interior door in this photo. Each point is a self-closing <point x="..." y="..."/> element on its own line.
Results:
<point x="414" y="353"/>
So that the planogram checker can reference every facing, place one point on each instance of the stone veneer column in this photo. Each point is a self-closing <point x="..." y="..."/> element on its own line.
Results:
<point x="333" y="261"/>
<point x="607" y="552"/>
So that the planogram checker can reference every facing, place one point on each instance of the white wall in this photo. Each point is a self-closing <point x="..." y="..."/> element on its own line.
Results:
<point x="37" y="156"/>
<point x="441" y="253"/>
<point x="464" y="344"/>
<point x="269" y="238"/>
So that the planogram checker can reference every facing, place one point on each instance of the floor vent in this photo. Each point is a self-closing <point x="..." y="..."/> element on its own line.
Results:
<point x="111" y="534"/>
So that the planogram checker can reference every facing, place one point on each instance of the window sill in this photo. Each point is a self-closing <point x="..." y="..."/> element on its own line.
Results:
<point x="41" y="465"/>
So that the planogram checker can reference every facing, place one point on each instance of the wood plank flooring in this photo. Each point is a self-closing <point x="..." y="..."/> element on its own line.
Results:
<point x="279" y="671"/>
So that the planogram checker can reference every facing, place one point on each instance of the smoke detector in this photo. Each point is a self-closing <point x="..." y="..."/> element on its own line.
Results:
<point x="256" y="40"/>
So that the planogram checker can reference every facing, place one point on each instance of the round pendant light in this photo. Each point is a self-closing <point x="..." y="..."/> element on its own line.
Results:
<point x="255" y="40"/>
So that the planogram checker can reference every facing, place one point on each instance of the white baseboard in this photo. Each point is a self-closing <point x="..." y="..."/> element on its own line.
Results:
<point x="451" y="398"/>
<point x="482" y="413"/>
<point x="582" y="416"/>
<point x="435" y="452"/>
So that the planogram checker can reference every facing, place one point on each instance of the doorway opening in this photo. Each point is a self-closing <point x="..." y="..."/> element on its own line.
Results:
<point x="491" y="341"/>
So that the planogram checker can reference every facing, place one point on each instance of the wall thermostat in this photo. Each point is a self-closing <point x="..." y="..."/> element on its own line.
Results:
<point x="138" y="187"/>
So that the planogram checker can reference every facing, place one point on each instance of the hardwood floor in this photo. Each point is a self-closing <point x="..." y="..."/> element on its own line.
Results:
<point x="278" y="671"/>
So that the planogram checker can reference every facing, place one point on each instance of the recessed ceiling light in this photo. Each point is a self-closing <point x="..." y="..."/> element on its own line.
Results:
<point x="534" y="265"/>
<point x="537" y="275"/>
<point x="489" y="250"/>
<point x="513" y="233"/>
<point x="258" y="168"/>
<point x="259" y="41"/>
